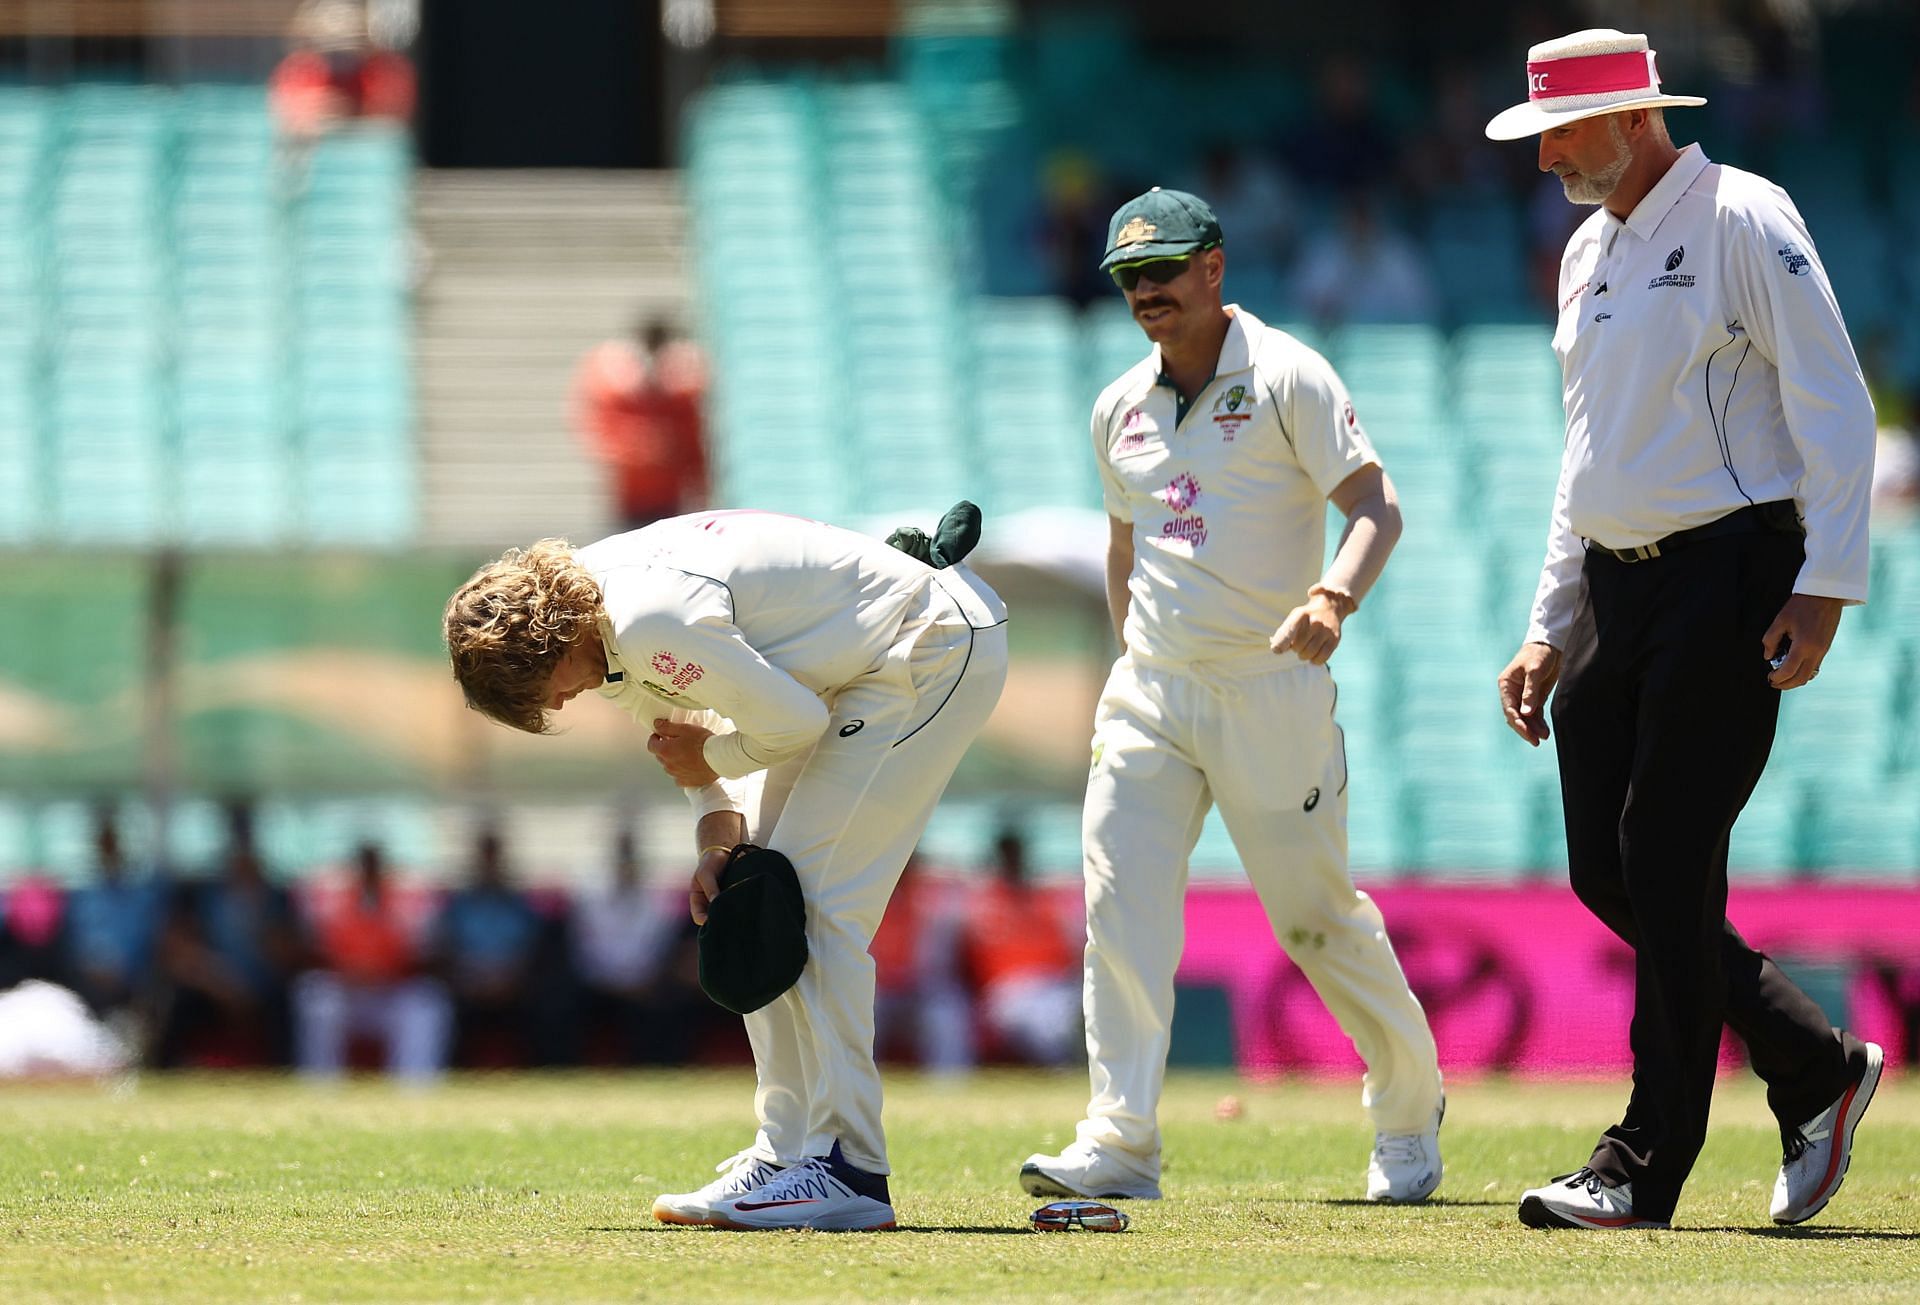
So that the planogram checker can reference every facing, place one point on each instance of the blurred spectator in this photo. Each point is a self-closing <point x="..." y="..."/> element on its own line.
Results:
<point x="227" y="952"/>
<point x="1364" y="271"/>
<point x="638" y="403"/>
<point x="367" y="981"/>
<point x="634" y="950"/>
<point x="1343" y="145"/>
<point x="335" y="74"/>
<point x="1551" y="221"/>
<point x="111" y="925"/>
<point x="1258" y="216"/>
<point x="921" y="1008"/>
<point x="1452" y="157"/>
<point x="1024" y="957"/>
<point x="31" y="913"/>
<point x="1072" y="230"/>
<point x="486" y="945"/>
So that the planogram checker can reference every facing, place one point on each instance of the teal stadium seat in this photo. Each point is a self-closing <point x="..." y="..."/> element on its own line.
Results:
<point x="162" y="265"/>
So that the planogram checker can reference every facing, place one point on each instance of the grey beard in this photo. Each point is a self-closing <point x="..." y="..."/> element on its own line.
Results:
<point x="1593" y="188"/>
<point x="1584" y="189"/>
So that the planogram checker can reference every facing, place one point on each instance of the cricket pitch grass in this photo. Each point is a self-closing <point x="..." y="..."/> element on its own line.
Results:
<point x="535" y="1188"/>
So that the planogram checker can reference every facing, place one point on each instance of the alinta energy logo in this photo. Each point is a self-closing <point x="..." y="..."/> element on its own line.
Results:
<point x="678" y="674"/>
<point x="1181" y="495"/>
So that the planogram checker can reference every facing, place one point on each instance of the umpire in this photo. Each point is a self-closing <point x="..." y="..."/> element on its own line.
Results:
<point x="1709" y="526"/>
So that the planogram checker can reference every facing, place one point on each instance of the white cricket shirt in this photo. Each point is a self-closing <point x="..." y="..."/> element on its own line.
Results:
<point x="1229" y="505"/>
<point x="1705" y="367"/>
<point x="756" y="617"/>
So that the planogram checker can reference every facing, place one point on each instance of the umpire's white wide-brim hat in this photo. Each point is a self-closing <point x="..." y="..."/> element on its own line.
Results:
<point x="1582" y="76"/>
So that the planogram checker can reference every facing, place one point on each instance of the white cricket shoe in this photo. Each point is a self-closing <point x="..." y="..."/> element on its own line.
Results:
<point x="1816" y="1156"/>
<point x="1084" y="1170"/>
<point x="739" y="1174"/>
<point x="1581" y="1200"/>
<point x="1405" y="1167"/>
<point x="821" y="1192"/>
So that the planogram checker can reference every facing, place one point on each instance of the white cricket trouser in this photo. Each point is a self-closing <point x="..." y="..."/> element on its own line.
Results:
<point x="848" y="815"/>
<point x="1257" y="737"/>
<point x="413" y="1017"/>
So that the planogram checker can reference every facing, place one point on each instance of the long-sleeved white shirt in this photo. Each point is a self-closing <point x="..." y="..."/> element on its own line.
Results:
<point x="757" y="618"/>
<point x="1705" y="367"/>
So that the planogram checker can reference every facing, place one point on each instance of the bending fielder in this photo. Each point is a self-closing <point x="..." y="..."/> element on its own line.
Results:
<point x="812" y="689"/>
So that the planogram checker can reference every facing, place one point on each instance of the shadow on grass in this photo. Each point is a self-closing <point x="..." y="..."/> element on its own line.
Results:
<point x="688" y="1230"/>
<point x="984" y="1230"/>
<point x="1826" y="1233"/>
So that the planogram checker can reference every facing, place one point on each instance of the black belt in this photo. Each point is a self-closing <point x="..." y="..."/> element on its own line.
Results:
<point x="1779" y="517"/>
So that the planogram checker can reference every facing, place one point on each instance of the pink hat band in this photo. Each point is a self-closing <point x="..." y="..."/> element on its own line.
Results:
<point x="1592" y="74"/>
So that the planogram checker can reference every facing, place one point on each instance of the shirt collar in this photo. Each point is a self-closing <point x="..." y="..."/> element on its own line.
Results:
<point x="616" y="669"/>
<point x="1236" y="354"/>
<point x="1648" y="214"/>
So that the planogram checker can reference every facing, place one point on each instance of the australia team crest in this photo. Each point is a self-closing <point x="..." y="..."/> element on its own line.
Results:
<point x="1232" y="410"/>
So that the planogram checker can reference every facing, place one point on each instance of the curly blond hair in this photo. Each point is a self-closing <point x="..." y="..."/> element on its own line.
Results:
<point x="508" y="627"/>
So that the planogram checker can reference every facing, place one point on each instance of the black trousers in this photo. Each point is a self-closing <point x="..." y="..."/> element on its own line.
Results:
<point x="1664" y="719"/>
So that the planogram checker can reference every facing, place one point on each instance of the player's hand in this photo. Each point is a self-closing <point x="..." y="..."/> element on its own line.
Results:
<point x="706" y="882"/>
<point x="1524" y="687"/>
<point x="1808" y="622"/>
<point x="679" y="748"/>
<point x="1311" y="630"/>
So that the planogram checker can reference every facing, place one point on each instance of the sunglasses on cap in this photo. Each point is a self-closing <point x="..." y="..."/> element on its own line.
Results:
<point x="1157" y="270"/>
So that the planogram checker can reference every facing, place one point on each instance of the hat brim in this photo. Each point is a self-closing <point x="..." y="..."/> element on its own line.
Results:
<point x="1143" y="253"/>
<point x="1531" y="118"/>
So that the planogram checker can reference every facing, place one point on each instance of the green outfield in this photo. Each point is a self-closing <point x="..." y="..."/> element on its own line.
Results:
<point x="248" y="1189"/>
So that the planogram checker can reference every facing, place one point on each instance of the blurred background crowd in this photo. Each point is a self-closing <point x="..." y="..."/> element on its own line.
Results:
<point x="352" y="966"/>
<point x="308" y="306"/>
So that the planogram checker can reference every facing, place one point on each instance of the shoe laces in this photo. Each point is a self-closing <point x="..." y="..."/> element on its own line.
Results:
<point x="1793" y="1145"/>
<point x="785" y="1179"/>
<point x="1400" y="1148"/>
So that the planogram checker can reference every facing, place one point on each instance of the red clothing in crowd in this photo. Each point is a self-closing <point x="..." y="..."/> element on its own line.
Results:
<point x="1016" y="931"/>
<point x="366" y="939"/>
<point x="642" y="417"/>
<point x="309" y="89"/>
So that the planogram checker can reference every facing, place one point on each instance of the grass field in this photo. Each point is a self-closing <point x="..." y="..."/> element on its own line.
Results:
<point x="538" y="1189"/>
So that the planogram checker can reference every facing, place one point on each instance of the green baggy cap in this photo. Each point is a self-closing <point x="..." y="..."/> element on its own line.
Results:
<point x="754" y="943"/>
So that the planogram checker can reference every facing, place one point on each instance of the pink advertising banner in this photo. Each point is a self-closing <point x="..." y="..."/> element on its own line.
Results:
<point x="1522" y="979"/>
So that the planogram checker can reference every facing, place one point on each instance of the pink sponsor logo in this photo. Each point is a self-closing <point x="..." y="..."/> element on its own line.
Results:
<point x="1133" y="431"/>
<point x="1191" y="530"/>
<point x="1182" y="494"/>
<point x="677" y="674"/>
<point x="1522" y="979"/>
